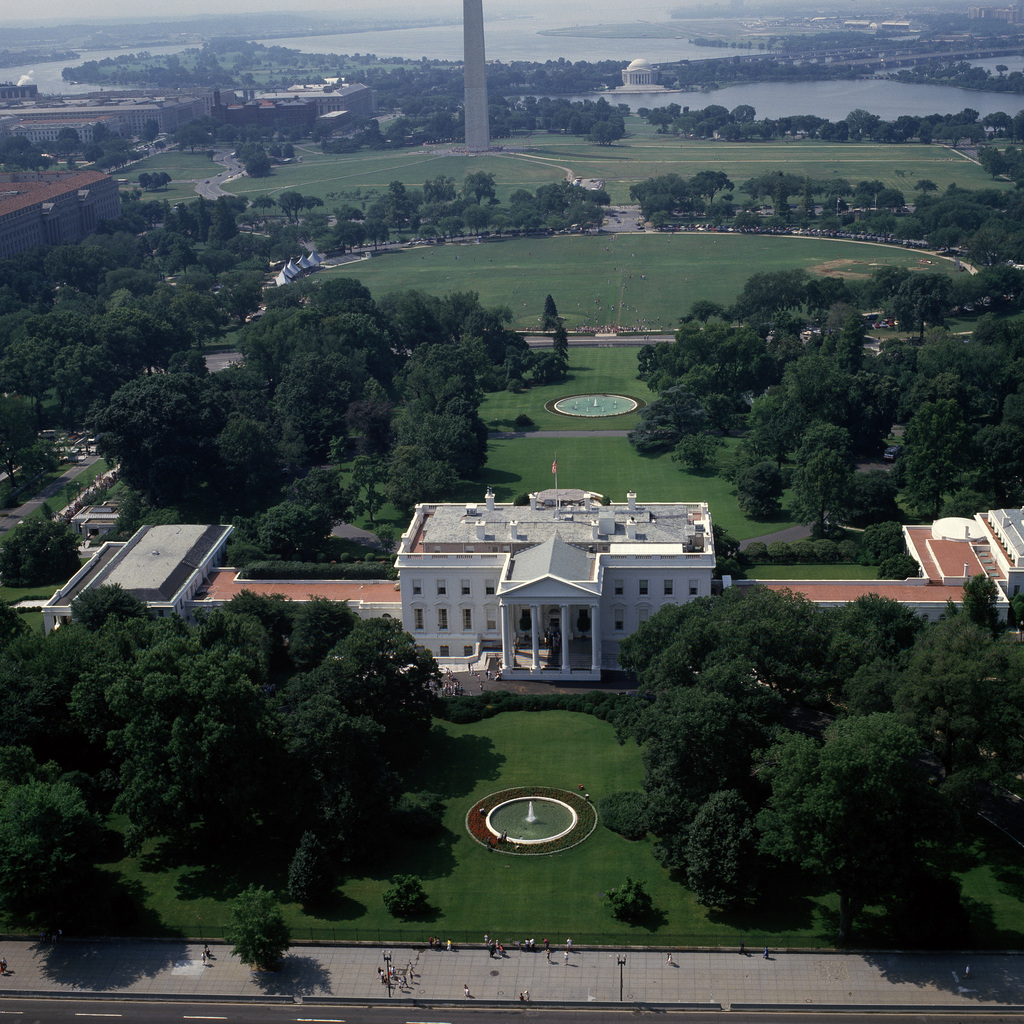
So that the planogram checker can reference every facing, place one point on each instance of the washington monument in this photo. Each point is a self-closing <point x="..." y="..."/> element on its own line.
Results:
<point x="478" y="134"/>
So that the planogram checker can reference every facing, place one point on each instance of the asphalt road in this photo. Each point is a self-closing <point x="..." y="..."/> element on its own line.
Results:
<point x="72" y="1010"/>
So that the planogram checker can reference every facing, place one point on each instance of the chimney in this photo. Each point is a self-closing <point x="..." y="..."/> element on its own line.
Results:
<point x="967" y="569"/>
<point x="631" y="500"/>
<point x="481" y="530"/>
<point x="594" y="529"/>
<point x="489" y="497"/>
<point x="586" y="502"/>
<point x="630" y="528"/>
<point x="533" y="501"/>
<point x="513" y="530"/>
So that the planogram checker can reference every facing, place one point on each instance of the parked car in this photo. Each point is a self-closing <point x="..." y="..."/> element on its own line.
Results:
<point x="893" y="452"/>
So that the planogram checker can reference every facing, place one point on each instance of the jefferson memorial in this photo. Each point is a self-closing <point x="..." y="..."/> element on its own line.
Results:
<point x="639" y="75"/>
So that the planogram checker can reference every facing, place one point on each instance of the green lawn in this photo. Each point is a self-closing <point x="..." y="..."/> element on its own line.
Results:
<point x="844" y="571"/>
<point x="638" y="281"/>
<point x="610" y="466"/>
<point x="529" y="161"/>
<point x="472" y="890"/>
<point x="591" y="371"/>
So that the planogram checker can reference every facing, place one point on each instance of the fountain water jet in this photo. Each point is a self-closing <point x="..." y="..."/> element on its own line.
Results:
<point x="530" y="816"/>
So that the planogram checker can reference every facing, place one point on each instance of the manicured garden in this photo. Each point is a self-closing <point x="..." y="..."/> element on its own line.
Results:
<point x="472" y="890"/>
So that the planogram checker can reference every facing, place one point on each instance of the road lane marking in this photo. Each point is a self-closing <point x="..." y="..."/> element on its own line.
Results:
<point x="99" y="1014"/>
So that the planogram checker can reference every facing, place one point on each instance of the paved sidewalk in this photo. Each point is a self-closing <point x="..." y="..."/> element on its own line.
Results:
<point x="174" y="969"/>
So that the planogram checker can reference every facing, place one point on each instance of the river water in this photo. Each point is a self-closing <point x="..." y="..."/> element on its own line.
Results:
<point x="510" y="38"/>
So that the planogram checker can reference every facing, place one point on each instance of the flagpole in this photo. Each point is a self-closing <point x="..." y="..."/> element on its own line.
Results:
<point x="554" y="469"/>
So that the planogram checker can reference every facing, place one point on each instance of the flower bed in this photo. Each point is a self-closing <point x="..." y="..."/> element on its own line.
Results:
<point x="586" y="820"/>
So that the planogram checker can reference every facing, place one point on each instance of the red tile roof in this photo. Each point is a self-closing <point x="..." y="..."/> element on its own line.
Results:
<point x="222" y="586"/>
<point x="31" y="193"/>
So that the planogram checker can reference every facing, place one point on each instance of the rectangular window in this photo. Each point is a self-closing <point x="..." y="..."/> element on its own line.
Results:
<point x="668" y="587"/>
<point x="643" y="586"/>
<point x="489" y="586"/>
<point x="442" y="618"/>
<point x="442" y="586"/>
<point x="694" y="587"/>
<point x="492" y="619"/>
<point x="465" y="586"/>
<point x="644" y="614"/>
<point x="618" y="588"/>
<point x="467" y="651"/>
<point x="619" y="623"/>
<point x="467" y="619"/>
<point x="417" y="587"/>
<point x="442" y="651"/>
<point x="417" y="618"/>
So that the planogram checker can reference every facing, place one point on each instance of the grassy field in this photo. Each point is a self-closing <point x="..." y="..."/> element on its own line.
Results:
<point x="471" y="890"/>
<point x="639" y="281"/>
<point x="769" y="571"/>
<point x="591" y="371"/>
<point x="540" y="158"/>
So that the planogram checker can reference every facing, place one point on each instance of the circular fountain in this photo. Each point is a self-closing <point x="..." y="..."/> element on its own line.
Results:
<point x="595" y="405"/>
<point x="537" y="820"/>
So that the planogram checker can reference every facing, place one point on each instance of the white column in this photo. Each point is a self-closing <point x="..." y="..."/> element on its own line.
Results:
<point x="595" y="638"/>
<point x="534" y="637"/>
<point x="564" y="628"/>
<point x="506" y="637"/>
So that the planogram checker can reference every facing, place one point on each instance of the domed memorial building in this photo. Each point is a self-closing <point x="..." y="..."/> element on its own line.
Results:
<point x="639" y="73"/>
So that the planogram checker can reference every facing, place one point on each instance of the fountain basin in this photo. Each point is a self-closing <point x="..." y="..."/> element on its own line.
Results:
<point x="553" y="819"/>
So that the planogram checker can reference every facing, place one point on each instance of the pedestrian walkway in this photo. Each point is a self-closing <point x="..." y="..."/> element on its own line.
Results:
<point x="702" y="979"/>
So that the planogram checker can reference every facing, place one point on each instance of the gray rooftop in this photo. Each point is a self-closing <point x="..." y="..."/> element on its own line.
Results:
<point x="158" y="560"/>
<point x="552" y="557"/>
<point x="454" y="527"/>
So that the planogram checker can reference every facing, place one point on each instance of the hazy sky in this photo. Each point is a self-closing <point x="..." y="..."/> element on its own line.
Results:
<point x="14" y="11"/>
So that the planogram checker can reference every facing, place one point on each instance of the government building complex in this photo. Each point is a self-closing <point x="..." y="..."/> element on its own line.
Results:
<point x="546" y="590"/>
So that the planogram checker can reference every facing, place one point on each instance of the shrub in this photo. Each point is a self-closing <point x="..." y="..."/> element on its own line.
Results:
<point x="778" y="551"/>
<point x="757" y="551"/>
<point x="523" y="422"/>
<point x="406" y="897"/>
<point x="625" y="813"/>
<point x="630" y="901"/>
<point x="898" y="567"/>
<point x="310" y="877"/>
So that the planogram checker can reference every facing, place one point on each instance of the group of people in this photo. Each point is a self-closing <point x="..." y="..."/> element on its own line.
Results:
<point x="439" y="944"/>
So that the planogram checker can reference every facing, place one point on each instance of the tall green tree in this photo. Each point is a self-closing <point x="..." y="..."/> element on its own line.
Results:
<point x="855" y="809"/>
<point x="936" y="452"/>
<point x="48" y="841"/>
<point x="257" y="930"/>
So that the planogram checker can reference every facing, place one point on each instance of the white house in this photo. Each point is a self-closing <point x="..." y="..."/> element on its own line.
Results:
<point x="548" y="589"/>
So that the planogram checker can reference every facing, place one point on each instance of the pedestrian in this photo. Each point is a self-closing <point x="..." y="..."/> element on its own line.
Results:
<point x="766" y="953"/>
<point x="743" y="947"/>
<point x="465" y="988"/>
<point x="546" y="943"/>
<point x="668" y="958"/>
<point x="486" y="938"/>
<point x="408" y="971"/>
<point x="566" y="955"/>
<point x="548" y="952"/>
<point x="522" y="998"/>
<point x="967" y="973"/>
<point x="204" y="957"/>
<point x="527" y="995"/>
<point x="380" y="974"/>
<point x="568" y="945"/>
<point x="3" y="965"/>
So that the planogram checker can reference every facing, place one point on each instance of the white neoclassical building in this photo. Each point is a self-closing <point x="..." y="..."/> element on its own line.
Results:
<point x="547" y="589"/>
<point x="639" y="73"/>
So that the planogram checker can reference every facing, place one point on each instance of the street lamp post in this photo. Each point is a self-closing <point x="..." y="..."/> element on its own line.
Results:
<point x="621" y="961"/>
<point x="387" y="969"/>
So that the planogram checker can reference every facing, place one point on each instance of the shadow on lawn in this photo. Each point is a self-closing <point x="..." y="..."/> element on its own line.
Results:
<point x="784" y="905"/>
<point x="467" y="761"/>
